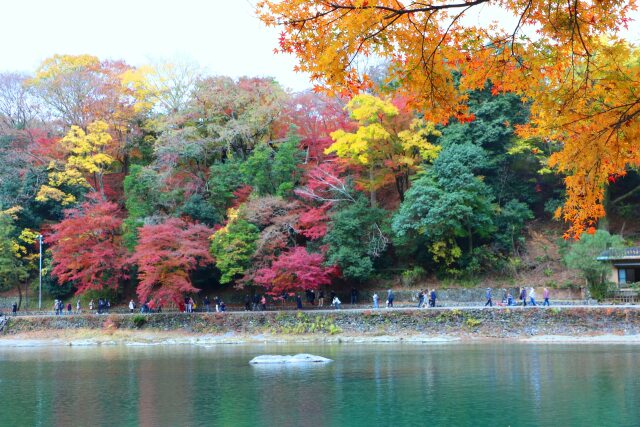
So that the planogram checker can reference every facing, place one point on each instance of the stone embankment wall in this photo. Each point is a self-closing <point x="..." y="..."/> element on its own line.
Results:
<point x="499" y="323"/>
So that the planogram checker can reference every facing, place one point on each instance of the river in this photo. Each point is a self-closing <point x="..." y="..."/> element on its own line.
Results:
<point x="492" y="384"/>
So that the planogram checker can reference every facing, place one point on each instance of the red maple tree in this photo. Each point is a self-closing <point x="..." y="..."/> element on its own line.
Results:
<point x="87" y="246"/>
<point x="295" y="270"/>
<point x="166" y="255"/>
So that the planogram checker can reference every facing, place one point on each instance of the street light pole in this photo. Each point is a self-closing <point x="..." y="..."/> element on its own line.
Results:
<point x="40" y="291"/>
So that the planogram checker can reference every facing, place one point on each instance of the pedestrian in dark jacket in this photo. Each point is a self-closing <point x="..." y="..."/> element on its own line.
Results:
<point x="390" y="298"/>
<point x="523" y="296"/>
<point x="14" y="308"/>
<point x="432" y="299"/>
<point x="488" y="296"/>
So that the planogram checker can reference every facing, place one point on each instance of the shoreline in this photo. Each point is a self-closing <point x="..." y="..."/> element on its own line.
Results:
<point x="93" y="338"/>
<point x="535" y="325"/>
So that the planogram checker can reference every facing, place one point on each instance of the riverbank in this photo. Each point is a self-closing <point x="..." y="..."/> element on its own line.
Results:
<point x="556" y="324"/>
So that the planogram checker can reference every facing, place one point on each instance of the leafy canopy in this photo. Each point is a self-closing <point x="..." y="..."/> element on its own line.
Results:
<point x="566" y="58"/>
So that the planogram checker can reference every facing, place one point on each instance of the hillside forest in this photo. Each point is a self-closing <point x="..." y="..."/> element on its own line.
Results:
<point x="161" y="181"/>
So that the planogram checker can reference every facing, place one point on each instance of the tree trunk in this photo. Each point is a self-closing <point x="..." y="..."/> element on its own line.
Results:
<point x="100" y="183"/>
<point x="626" y="195"/>
<point x="401" y="185"/>
<point x="372" y="194"/>
<point x="19" y="296"/>
<point x="603" y="223"/>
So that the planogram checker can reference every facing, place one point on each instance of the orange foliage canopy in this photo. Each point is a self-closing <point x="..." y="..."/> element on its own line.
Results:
<point x="565" y="58"/>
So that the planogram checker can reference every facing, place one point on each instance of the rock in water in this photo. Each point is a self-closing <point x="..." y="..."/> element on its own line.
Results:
<point x="298" y="358"/>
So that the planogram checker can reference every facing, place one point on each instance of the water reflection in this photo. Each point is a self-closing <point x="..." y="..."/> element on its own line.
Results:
<point x="482" y="384"/>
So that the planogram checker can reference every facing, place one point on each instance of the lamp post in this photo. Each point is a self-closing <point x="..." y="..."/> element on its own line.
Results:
<point x="40" y="270"/>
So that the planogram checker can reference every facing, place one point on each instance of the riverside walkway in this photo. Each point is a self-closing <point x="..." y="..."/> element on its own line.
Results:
<point x="345" y="308"/>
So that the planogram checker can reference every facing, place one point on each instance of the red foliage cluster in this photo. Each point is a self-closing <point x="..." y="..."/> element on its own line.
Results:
<point x="315" y="116"/>
<point x="87" y="247"/>
<point x="166" y="255"/>
<point x="312" y="223"/>
<point x="295" y="270"/>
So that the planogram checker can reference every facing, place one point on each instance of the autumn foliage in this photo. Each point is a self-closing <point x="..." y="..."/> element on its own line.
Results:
<point x="564" y="58"/>
<point x="166" y="255"/>
<point x="87" y="247"/>
<point x="295" y="270"/>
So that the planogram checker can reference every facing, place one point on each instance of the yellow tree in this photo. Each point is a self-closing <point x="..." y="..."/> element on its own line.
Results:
<point x="86" y="157"/>
<point x="386" y="154"/>
<point x="565" y="58"/>
<point x="82" y="89"/>
<point x="166" y="86"/>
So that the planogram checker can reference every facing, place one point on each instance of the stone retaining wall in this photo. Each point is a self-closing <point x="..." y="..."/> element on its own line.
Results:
<point x="474" y="322"/>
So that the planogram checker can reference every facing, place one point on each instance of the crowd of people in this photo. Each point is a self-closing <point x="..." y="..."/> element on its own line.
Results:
<point x="524" y="294"/>
<point x="316" y="299"/>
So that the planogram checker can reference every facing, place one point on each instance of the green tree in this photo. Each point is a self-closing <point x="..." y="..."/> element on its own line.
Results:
<point x="274" y="171"/>
<point x="510" y="223"/>
<point x="357" y="237"/>
<point x="285" y="170"/>
<point x="233" y="246"/>
<point x="448" y="205"/>
<point x="582" y="255"/>
<point x="224" y="178"/>
<point x="140" y="201"/>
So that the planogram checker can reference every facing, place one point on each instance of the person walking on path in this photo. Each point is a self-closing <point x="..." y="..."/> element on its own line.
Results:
<point x="390" y="298"/>
<point x="78" y="306"/>
<point x="523" y="296"/>
<point x="321" y="298"/>
<point x="532" y="296"/>
<point x="263" y="303"/>
<point x="132" y="306"/>
<point x="354" y="296"/>
<point x="298" y="302"/>
<point x="432" y="299"/>
<point x="216" y="301"/>
<point x="207" y="304"/>
<point x="91" y="305"/>
<point x="420" y="298"/>
<point x="336" y="303"/>
<point x="509" y="299"/>
<point x="488" y="296"/>
<point x="247" y="303"/>
<point x="69" y="308"/>
<point x="375" y="300"/>
<point x="545" y="295"/>
<point x="14" y="308"/>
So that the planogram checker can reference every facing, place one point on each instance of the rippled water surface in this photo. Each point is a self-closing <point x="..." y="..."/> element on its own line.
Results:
<point x="366" y="385"/>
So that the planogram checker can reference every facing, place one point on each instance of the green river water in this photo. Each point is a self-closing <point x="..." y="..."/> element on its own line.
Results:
<point x="366" y="385"/>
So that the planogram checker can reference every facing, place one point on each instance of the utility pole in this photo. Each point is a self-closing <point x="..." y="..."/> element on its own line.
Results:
<point x="40" y="292"/>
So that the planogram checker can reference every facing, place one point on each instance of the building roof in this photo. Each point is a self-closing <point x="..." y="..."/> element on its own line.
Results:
<point x="631" y="253"/>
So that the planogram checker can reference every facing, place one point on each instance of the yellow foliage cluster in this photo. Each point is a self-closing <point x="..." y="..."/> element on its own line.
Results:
<point x="85" y="156"/>
<point x="445" y="251"/>
<point x="63" y="64"/>
<point x="378" y="146"/>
